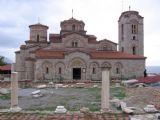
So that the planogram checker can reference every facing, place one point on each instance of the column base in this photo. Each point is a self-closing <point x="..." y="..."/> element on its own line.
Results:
<point x="104" y="110"/>
<point x="15" y="109"/>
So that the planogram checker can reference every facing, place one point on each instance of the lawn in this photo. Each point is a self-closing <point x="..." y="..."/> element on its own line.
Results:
<point x="72" y="98"/>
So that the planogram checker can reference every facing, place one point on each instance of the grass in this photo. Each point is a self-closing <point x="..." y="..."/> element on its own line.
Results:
<point x="6" y="96"/>
<point x="25" y="85"/>
<point x="96" y="92"/>
<point x="74" y="102"/>
<point x="118" y="92"/>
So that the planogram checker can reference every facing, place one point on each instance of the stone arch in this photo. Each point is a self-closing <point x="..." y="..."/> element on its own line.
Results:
<point x="47" y="70"/>
<point x="77" y="62"/>
<point x="118" y="68"/>
<point x="94" y="66"/>
<point x="60" y="68"/>
<point x="106" y="65"/>
<point x="46" y="67"/>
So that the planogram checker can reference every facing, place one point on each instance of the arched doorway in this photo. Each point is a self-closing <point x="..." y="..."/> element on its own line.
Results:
<point x="78" y="68"/>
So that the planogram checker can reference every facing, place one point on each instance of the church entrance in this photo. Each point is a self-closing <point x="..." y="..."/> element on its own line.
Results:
<point x="77" y="73"/>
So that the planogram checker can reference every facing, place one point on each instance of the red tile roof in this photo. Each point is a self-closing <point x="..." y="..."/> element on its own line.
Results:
<point x="93" y="54"/>
<point x="43" y="54"/>
<point x="5" y="67"/>
<point x="113" y="55"/>
<point x="149" y="79"/>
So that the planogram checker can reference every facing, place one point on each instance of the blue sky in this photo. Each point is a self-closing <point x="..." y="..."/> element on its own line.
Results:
<point x="100" y="17"/>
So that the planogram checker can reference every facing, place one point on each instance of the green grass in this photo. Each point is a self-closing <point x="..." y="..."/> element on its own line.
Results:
<point x="92" y="99"/>
<point x="118" y="92"/>
<point x="6" y="96"/>
<point x="96" y="92"/>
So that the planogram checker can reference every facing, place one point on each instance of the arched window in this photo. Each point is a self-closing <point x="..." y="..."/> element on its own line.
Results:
<point x="47" y="70"/>
<point x="60" y="70"/>
<point x="122" y="49"/>
<point x="134" y="50"/>
<point x="134" y="38"/>
<point x="117" y="71"/>
<point x="74" y="44"/>
<point x="105" y="47"/>
<point x="134" y="29"/>
<point x="118" y="68"/>
<point x="122" y="31"/>
<point x="37" y="38"/>
<point x="73" y="27"/>
<point x="94" y="70"/>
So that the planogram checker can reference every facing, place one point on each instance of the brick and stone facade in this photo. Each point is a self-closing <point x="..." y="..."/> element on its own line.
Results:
<point x="73" y="54"/>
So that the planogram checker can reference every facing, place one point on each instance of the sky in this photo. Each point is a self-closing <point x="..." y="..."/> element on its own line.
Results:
<point x="100" y="18"/>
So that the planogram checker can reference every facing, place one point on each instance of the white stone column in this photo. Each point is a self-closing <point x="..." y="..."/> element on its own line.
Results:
<point x="105" y="91"/>
<point x="14" y="93"/>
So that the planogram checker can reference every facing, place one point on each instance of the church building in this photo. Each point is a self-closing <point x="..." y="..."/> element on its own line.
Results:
<point x="72" y="54"/>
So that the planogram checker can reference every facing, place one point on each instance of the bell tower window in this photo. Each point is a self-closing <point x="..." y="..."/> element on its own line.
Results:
<point x="122" y="31"/>
<point x="134" y="29"/>
<point x="134" y="38"/>
<point x="134" y="50"/>
<point x="122" y="49"/>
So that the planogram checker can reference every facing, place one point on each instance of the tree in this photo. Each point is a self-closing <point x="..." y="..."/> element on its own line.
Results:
<point x="2" y="62"/>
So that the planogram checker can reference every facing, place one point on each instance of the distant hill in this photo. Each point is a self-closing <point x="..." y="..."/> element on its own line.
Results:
<point x="153" y="69"/>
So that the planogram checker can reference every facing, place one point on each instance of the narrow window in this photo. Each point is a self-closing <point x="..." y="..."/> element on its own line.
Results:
<point x="76" y="44"/>
<point x="94" y="70"/>
<point x="117" y="71"/>
<point x="122" y="49"/>
<point x="37" y="38"/>
<point x="122" y="31"/>
<point x="134" y="29"/>
<point x="72" y="44"/>
<point x="47" y="70"/>
<point x="134" y="50"/>
<point x="73" y="27"/>
<point x="134" y="37"/>
<point x="105" y="47"/>
<point x="60" y="70"/>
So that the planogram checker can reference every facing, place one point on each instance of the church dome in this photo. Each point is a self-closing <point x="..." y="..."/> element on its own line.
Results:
<point x="72" y="25"/>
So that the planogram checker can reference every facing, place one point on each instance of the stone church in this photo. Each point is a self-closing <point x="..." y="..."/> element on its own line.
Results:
<point x="73" y="54"/>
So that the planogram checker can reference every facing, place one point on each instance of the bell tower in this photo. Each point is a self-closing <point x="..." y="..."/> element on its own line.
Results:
<point x="131" y="34"/>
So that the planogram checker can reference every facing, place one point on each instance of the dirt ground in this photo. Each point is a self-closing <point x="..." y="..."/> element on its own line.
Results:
<point x="142" y="96"/>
